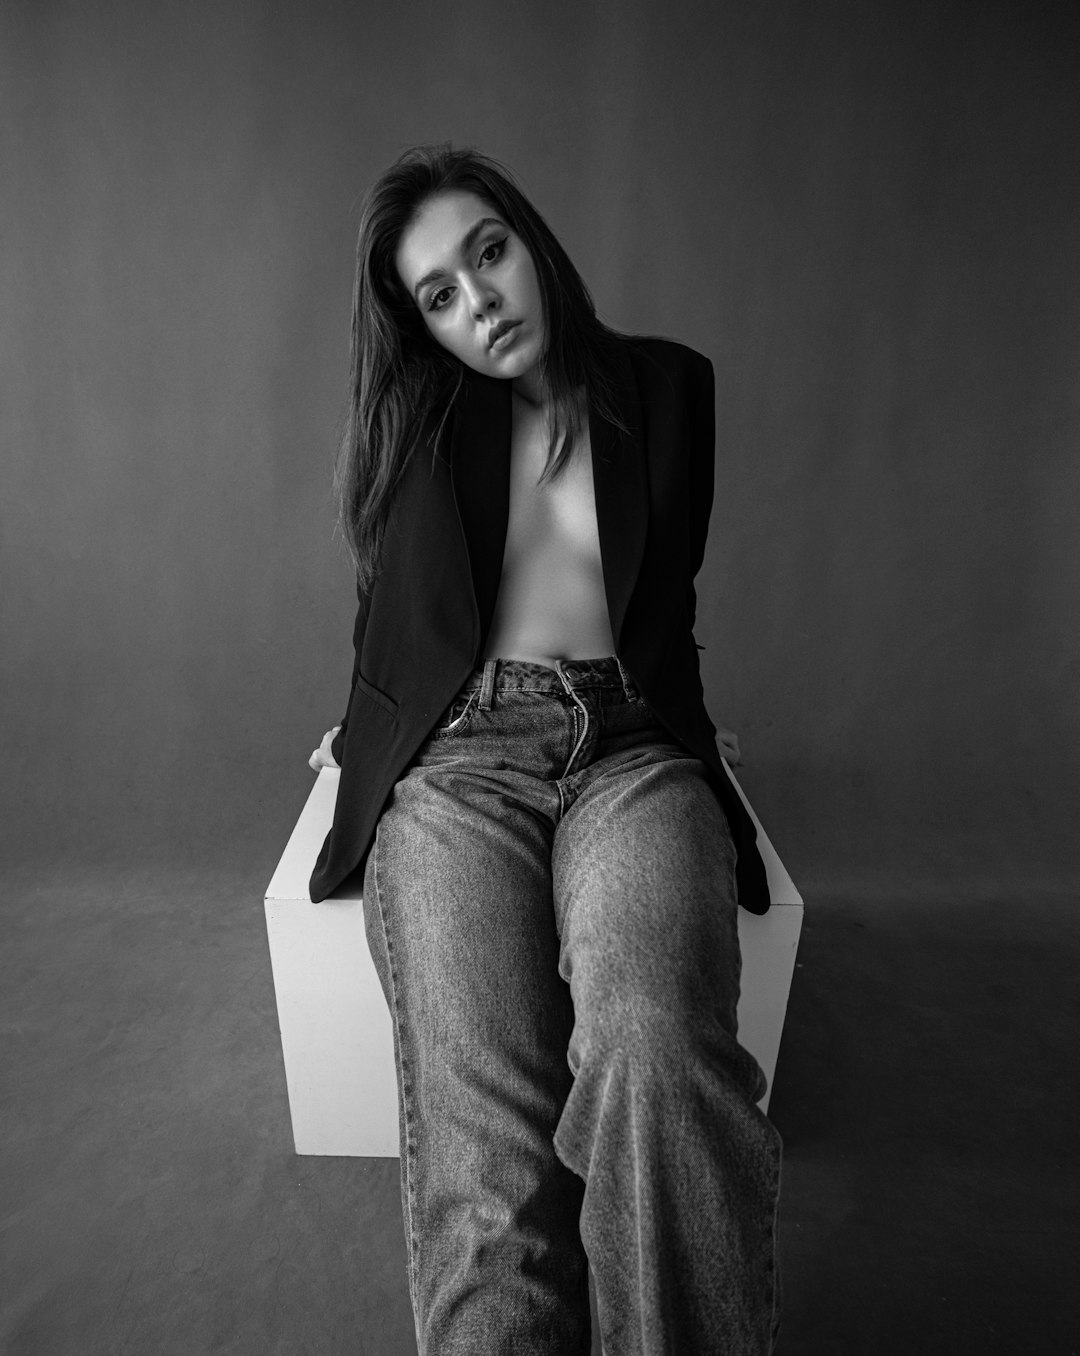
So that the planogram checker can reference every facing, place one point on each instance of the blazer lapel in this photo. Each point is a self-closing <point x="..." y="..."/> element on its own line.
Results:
<point x="620" y="481"/>
<point x="480" y="471"/>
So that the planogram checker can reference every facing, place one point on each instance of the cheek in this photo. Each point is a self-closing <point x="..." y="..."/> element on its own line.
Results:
<point x="535" y="296"/>
<point x="538" y="312"/>
<point x="444" y="335"/>
<point x="458" y="340"/>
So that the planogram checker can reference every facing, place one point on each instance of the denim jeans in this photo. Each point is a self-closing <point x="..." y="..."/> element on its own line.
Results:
<point x="550" y="904"/>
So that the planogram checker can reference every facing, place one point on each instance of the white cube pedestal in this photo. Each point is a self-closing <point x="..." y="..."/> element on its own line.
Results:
<point x="335" y="1028"/>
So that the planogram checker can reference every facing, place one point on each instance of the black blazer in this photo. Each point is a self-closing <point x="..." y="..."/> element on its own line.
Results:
<point x="420" y="631"/>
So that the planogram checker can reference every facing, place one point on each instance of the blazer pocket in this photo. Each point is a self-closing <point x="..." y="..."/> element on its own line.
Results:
<point x="373" y="694"/>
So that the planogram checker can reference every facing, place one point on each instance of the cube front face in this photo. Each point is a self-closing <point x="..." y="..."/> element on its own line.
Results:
<point x="336" y="1035"/>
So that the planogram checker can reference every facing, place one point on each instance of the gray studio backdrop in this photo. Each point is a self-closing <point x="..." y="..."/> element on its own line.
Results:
<point x="864" y="213"/>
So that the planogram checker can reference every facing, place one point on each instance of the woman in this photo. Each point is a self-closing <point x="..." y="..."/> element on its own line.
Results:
<point x="551" y="848"/>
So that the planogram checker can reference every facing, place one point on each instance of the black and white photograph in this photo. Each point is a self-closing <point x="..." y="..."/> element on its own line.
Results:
<point x="539" y="678"/>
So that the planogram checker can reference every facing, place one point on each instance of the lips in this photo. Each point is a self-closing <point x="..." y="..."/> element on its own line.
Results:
<point x="500" y="331"/>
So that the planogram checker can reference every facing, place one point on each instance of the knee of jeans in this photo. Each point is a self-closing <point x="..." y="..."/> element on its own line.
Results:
<point x="638" y="1033"/>
<point x="668" y="1044"/>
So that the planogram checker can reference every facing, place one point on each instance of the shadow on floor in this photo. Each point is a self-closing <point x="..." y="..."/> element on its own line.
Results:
<point x="152" y="1203"/>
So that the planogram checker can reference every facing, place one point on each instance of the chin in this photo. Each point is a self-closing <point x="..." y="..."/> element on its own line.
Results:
<point x="517" y="364"/>
<point x="510" y="371"/>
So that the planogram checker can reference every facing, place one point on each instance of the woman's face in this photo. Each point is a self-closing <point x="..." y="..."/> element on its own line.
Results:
<point x="475" y="284"/>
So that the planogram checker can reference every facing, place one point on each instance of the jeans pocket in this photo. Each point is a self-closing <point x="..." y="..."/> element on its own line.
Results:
<point x="457" y="716"/>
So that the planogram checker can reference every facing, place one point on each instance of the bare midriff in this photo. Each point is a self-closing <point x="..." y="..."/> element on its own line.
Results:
<point x="551" y="603"/>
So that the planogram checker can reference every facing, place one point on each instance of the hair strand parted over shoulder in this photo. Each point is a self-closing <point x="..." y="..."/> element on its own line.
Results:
<point x="402" y="383"/>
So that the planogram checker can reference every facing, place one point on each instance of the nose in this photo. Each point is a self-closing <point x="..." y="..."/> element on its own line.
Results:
<point x="483" y="299"/>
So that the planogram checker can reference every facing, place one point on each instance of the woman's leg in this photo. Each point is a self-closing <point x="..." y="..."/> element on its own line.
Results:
<point x="682" y="1168"/>
<point x="458" y="906"/>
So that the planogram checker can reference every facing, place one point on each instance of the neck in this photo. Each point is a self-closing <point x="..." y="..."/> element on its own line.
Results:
<point x="530" y="388"/>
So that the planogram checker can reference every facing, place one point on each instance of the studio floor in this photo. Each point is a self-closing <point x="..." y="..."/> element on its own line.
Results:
<point x="152" y="1204"/>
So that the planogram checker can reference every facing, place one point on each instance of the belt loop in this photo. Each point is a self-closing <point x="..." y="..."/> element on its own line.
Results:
<point x="627" y="682"/>
<point x="487" y="689"/>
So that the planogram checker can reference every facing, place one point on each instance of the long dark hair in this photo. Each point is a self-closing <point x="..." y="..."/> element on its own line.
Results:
<point x="402" y="382"/>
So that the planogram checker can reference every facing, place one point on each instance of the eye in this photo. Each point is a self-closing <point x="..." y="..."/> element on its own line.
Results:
<point x="438" y="300"/>
<point x="492" y="250"/>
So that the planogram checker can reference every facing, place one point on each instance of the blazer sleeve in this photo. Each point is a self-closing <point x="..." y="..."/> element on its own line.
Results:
<point x="337" y="746"/>
<point x="702" y="474"/>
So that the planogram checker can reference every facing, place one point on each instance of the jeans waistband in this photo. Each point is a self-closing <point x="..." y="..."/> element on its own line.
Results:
<point x="569" y="675"/>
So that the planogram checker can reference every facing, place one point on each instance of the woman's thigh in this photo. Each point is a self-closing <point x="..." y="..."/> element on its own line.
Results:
<point x="458" y="906"/>
<point x="645" y="900"/>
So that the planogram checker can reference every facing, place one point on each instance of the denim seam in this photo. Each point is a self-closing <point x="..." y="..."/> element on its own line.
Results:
<point x="774" y="1258"/>
<point x="628" y="688"/>
<point x="406" y="1117"/>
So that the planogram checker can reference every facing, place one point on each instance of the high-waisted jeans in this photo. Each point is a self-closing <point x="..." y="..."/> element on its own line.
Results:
<point x="550" y="904"/>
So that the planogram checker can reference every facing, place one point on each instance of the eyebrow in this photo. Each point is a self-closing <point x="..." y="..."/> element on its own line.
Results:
<point x="467" y="242"/>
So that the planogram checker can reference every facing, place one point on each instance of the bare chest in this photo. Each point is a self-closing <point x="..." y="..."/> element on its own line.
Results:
<point x="551" y="601"/>
<point x="560" y="514"/>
